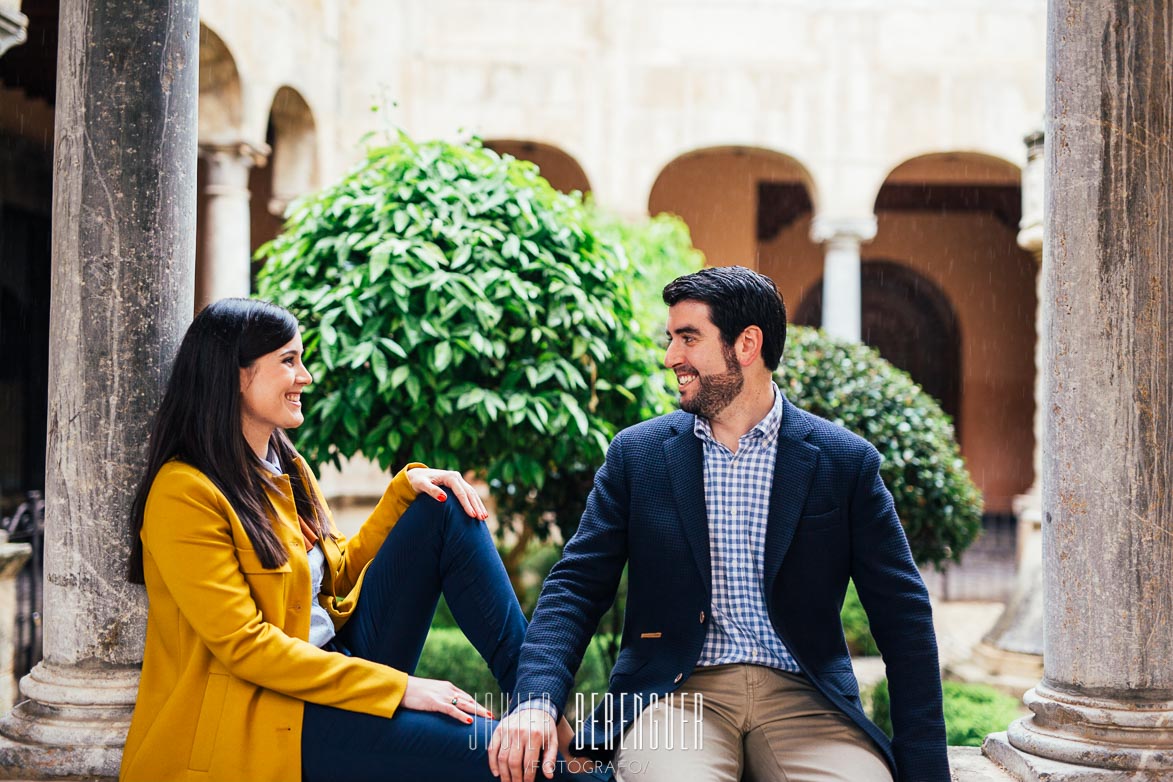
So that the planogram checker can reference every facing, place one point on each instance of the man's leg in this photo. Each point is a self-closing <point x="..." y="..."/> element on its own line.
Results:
<point x="797" y="735"/>
<point x="667" y="744"/>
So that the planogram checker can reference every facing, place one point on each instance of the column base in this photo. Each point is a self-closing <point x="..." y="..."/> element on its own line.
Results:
<point x="1024" y="767"/>
<point x="72" y="723"/>
<point x="1098" y="738"/>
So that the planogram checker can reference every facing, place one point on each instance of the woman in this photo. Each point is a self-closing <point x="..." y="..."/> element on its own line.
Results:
<point x="275" y="647"/>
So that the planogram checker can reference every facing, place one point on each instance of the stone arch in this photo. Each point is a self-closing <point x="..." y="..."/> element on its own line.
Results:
<point x="221" y="105"/>
<point x="293" y="138"/>
<point x="745" y="205"/>
<point x="943" y="169"/>
<point x="952" y="217"/>
<point x="910" y="320"/>
<point x="736" y="200"/>
<point x="292" y="169"/>
<point x="558" y="166"/>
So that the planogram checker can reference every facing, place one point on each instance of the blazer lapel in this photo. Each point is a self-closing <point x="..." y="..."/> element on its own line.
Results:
<point x="682" y="454"/>
<point x="794" y="469"/>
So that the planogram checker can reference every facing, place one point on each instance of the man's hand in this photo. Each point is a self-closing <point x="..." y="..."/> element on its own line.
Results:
<point x="521" y="740"/>
<point x="575" y="765"/>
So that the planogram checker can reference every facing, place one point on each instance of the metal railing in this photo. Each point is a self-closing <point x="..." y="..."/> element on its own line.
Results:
<point x="27" y="525"/>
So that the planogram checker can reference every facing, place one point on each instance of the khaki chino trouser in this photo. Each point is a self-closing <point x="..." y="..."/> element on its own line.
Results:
<point x="756" y="722"/>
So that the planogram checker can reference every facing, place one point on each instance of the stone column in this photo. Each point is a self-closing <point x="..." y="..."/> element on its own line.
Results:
<point x="13" y="25"/>
<point x="224" y="266"/>
<point x="1012" y="652"/>
<point x="1104" y="708"/>
<point x="842" y="309"/>
<point x="123" y="255"/>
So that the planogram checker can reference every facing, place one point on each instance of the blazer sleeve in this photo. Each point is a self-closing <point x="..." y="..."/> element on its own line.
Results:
<point x="187" y="536"/>
<point x="897" y="604"/>
<point x="579" y="589"/>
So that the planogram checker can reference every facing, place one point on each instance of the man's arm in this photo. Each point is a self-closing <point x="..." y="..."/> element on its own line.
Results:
<point x="576" y="594"/>
<point x="897" y="604"/>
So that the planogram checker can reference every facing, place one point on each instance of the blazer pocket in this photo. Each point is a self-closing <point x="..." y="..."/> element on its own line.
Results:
<point x="250" y="562"/>
<point x="208" y="725"/>
<point x="820" y="522"/>
<point x="626" y="666"/>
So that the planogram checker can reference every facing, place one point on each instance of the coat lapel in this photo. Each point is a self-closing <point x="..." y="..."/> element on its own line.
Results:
<point x="682" y="454"/>
<point x="794" y="470"/>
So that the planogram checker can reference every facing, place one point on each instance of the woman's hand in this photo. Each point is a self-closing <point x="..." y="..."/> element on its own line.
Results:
<point x="428" y="481"/>
<point x="443" y="697"/>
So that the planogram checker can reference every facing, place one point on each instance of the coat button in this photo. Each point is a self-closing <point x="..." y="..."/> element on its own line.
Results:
<point x="679" y="676"/>
<point x="702" y="617"/>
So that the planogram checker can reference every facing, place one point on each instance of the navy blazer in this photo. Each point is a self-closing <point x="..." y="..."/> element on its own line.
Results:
<point x="831" y="518"/>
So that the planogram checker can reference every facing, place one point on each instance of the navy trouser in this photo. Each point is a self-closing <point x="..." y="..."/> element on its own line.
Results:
<point x="436" y="547"/>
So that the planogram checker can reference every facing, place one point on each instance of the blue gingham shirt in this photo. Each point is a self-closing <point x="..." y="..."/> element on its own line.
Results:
<point x="737" y="503"/>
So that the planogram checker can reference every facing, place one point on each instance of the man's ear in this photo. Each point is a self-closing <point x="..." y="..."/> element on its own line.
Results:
<point x="749" y="346"/>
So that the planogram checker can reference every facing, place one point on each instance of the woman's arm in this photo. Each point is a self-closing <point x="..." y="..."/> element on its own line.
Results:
<point x="188" y="541"/>
<point x="408" y="483"/>
<point x="361" y="548"/>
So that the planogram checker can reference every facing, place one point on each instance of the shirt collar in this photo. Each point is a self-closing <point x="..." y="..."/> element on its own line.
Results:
<point x="272" y="462"/>
<point x="766" y="429"/>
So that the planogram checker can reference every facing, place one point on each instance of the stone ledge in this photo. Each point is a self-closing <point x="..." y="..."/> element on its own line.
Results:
<point x="968" y="764"/>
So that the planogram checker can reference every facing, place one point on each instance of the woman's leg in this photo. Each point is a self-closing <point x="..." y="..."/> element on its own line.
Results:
<point x="412" y="745"/>
<point x="434" y="548"/>
<point x="437" y="548"/>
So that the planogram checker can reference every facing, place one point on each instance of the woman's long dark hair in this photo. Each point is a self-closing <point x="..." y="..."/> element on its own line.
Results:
<point x="199" y="424"/>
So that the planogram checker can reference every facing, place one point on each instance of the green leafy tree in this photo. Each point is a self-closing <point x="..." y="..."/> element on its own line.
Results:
<point x="850" y="384"/>
<point x="461" y="312"/>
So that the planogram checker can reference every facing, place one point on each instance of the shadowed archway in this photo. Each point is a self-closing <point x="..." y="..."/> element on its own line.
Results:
<point x="911" y="322"/>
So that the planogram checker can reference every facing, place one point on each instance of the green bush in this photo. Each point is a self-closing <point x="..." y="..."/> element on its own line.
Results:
<point x="449" y="655"/>
<point x="856" y="628"/>
<point x="460" y="311"/>
<point x="658" y="251"/>
<point x="972" y="711"/>
<point x="851" y="385"/>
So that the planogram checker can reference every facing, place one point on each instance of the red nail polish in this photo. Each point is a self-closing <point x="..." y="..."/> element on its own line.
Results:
<point x="442" y="498"/>
<point x="468" y="721"/>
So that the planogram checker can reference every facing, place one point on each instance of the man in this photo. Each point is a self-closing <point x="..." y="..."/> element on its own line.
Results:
<point x="742" y="518"/>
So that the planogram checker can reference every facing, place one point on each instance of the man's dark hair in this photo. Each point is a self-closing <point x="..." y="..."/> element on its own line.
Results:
<point x="738" y="298"/>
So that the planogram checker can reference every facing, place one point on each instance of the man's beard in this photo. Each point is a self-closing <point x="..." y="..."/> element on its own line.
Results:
<point x="715" y="392"/>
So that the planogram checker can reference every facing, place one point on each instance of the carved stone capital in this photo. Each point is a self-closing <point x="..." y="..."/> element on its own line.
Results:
<point x="13" y="29"/>
<point x="241" y="153"/>
<point x="834" y="230"/>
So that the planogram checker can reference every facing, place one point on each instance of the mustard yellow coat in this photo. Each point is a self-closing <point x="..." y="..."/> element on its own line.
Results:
<point x="227" y="667"/>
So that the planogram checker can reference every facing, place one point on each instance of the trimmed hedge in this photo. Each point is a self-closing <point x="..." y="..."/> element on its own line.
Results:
<point x="972" y="711"/>
<point x="851" y="385"/>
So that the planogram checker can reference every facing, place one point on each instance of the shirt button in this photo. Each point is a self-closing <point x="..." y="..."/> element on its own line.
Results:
<point x="702" y="617"/>
<point x="679" y="676"/>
